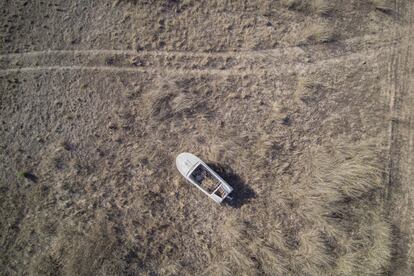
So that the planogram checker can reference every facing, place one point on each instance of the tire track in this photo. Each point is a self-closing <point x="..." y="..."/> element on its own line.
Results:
<point x="118" y="69"/>
<point x="218" y="63"/>
<point x="381" y="40"/>
<point x="400" y="192"/>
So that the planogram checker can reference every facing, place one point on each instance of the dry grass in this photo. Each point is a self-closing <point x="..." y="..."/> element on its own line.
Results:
<point x="214" y="78"/>
<point x="329" y="221"/>
<point x="318" y="33"/>
<point x="385" y="6"/>
<point x="298" y="5"/>
<point x="351" y="173"/>
<point x="321" y="7"/>
<point x="350" y="186"/>
<point x="75" y="252"/>
<point x="336" y="228"/>
<point x="308" y="90"/>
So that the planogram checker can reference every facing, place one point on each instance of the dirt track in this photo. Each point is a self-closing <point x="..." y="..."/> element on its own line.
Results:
<point x="401" y="131"/>
<point x="245" y="62"/>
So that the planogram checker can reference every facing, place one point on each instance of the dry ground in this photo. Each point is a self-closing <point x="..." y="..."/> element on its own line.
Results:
<point x="305" y="107"/>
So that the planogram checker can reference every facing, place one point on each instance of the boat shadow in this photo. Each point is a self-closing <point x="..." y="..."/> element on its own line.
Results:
<point x="242" y="193"/>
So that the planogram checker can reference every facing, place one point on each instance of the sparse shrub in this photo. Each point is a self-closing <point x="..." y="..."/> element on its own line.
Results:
<point x="168" y="105"/>
<point x="20" y="175"/>
<point x="187" y="104"/>
<point x="299" y="5"/>
<point x="160" y="104"/>
<point x="308" y="89"/>
<point x="27" y="175"/>
<point x="278" y="112"/>
<point x="46" y="265"/>
<point x="241" y="259"/>
<point x="318" y="33"/>
<point x="173" y="268"/>
<point x="321" y="7"/>
<point x="218" y="268"/>
<point x="385" y="6"/>
<point x="307" y="83"/>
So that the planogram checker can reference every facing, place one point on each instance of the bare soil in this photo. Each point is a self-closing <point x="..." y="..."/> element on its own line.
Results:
<point x="304" y="107"/>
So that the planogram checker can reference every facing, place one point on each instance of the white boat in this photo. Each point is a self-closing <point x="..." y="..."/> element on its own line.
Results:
<point x="202" y="176"/>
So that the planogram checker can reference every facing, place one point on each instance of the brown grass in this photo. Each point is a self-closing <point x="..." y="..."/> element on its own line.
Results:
<point x="321" y="7"/>
<point x="215" y="78"/>
<point x="298" y="5"/>
<point x="352" y="188"/>
<point x="385" y="6"/>
<point x="352" y="174"/>
<point x="318" y="33"/>
<point x="76" y="252"/>
<point x="337" y="227"/>
<point x="320" y="214"/>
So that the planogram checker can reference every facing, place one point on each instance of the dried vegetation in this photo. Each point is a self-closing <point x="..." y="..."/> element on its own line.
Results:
<point x="386" y="6"/>
<point x="320" y="7"/>
<point x="334" y="225"/>
<point x="108" y="199"/>
<point x="318" y="33"/>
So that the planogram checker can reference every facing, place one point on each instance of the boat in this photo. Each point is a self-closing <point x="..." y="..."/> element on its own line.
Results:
<point x="203" y="177"/>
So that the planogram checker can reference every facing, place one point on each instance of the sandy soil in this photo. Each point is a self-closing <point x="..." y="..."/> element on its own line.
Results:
<point x="98" y="97"/>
